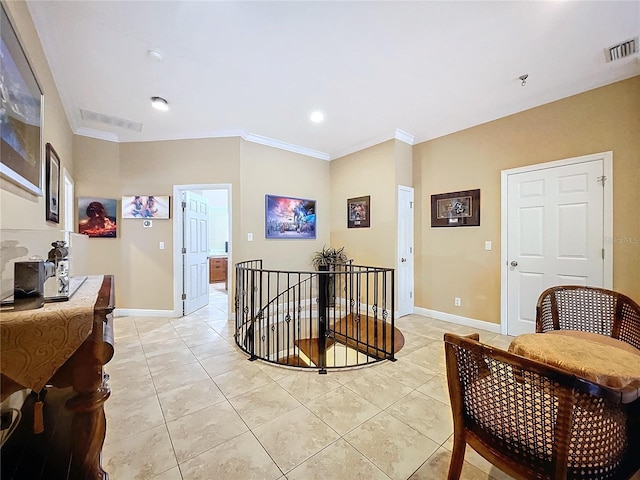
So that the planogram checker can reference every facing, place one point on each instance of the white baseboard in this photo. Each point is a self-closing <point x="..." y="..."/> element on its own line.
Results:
<point x="458" y="319"/>
<point x="141" y="312"/>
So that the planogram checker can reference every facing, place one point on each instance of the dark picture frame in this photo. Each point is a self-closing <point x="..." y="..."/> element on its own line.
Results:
<point x="21" y="126"/>
<point x="359" y="212"/>
<point x="456" y="209"/>
<point x="289" y="217"/>
<point x="53" y="185"/>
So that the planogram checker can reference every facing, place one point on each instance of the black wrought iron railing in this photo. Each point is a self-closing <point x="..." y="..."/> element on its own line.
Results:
<point x="339" y="317"/>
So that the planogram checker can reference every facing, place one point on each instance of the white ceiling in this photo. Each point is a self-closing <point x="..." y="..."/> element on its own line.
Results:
<point x="375" y="69"/>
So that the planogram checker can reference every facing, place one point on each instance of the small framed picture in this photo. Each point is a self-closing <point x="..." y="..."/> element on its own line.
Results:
<point x="145" y="206"/>
<point x="456" y="209"/>
<point x="359" y="212"/>
<point x="97" y="217"/>
<point x="53" y="185"/>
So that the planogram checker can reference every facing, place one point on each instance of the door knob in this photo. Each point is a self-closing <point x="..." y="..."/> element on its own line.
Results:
<point x="514" y="263"/>
<point x="403" y="260"/>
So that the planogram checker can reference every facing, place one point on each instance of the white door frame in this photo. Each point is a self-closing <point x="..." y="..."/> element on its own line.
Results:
<point x="178" y="281"/>
<point x="411" y="277"/>
<point x="607" y="161"/>
<point x="69" y="204"/>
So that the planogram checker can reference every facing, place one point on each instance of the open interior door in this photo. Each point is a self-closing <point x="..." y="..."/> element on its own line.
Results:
<point x="195" y="252"/>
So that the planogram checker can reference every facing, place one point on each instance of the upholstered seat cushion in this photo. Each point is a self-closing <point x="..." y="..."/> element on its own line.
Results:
<point x="595" y="357"/>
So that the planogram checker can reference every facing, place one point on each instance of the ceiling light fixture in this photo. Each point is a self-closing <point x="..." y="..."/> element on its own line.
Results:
<point x="159" y="103"/>
<point x="155" y="54"/>
<point x="524" y="79"/>
<point x="317" y="117"/>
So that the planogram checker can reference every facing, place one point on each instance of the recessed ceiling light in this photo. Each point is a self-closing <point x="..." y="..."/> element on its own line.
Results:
<point x="155" y="54"/>
<point x="159" y="103"/>
<point x="317" y="117"/>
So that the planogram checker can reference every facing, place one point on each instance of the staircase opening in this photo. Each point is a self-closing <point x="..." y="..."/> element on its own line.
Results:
<point x="337" y="318"/>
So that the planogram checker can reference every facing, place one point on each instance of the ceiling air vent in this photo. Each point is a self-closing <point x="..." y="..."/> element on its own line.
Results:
<point x="622" y="50"/>
<point x="109" y="120"/>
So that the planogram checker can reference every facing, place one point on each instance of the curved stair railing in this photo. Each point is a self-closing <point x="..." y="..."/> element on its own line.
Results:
<point x="340" y="317"/>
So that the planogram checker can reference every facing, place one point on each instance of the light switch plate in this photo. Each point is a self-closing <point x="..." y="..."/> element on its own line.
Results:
<point x="487" y="245"/>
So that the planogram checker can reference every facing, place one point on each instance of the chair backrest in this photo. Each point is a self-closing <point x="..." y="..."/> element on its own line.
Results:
<point x="589" y="309"/>
<point x="536" y="421"/>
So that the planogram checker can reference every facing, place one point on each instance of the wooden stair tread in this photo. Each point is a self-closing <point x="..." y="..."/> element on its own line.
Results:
<point x="310" y="347"/>
<point x="375" y="333"/>
<point x="293" y="361"/>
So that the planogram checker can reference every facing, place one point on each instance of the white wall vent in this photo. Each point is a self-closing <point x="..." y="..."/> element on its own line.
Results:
<point x="622" y="50"/>
<point x="109" y="120"/>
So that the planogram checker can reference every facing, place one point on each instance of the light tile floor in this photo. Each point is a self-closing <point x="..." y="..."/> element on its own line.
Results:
<point x="187" y="404"/>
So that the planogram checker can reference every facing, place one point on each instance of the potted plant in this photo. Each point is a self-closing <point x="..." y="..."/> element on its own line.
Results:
<point x="329" y="256"/>
<point x="327" y="259"/>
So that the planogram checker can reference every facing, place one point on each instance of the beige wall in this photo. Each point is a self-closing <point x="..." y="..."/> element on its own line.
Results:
<point x="452" y="262"/>
<point x="404" y="163"/>
<point x="375" y="171"/>
<point x="20" y="209"/>
<point x="267" y="170"/>
<point x="368" y="172"/>
<point x="144" y="273"/>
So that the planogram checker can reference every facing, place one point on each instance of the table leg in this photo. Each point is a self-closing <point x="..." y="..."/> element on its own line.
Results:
<point x="88" y="426"/>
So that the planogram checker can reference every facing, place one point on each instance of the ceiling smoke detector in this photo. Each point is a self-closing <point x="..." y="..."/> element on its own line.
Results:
<point x="622" y="50"/>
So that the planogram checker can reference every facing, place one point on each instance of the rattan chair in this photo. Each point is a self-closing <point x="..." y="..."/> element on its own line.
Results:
<point x="589" y="309"/>
<point x="534" y="421"/>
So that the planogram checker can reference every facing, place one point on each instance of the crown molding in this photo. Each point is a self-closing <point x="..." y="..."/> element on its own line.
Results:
<point x="232" y="132"/>
<point x="271" y="142"/>
<point x="99" y="134"/>
<point x="404" y="136"/>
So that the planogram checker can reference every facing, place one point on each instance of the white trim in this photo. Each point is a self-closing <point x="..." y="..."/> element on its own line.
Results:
<point x="607" y="162"/>
<point x="607" y="229"/>
<point x="99" y="134"/>
<point x="271" y="142"/>
<point x="142" y="312"/>
<point x="404" y="136"/>
<point x="458" y="319"/>
<point x="248" y="136"/>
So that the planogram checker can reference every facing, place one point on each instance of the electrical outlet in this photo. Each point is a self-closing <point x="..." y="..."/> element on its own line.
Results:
<point x="456" y="301"/>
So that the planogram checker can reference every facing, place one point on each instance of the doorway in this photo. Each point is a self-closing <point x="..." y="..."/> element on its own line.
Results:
<point x="219" y="246"/>
<point x="555" y="219"/>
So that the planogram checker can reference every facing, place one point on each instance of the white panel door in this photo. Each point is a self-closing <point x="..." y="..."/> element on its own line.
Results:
<point x="405" y="251"/>
<point x="555" y="235"/>
<point x="196" y="252"/>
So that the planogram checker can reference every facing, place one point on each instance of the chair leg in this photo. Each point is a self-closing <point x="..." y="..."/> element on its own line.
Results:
<point x="457" y="457"/>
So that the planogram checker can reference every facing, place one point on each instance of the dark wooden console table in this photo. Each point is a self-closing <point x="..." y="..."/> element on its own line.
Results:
<point x="63" y="345"/>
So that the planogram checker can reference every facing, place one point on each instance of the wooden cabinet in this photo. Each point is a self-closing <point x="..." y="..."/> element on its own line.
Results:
<point x="218" y="270"/>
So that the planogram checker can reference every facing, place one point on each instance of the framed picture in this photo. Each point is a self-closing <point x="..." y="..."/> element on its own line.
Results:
<point x="97" y="217"/>
<point x="359" y="212"/>
<point x="21" y="129"/>
<point x="456" y="209"/>
<point x="287" y="217"/>
<point x="145" y="206"/>
<point x="53" y="185"/>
